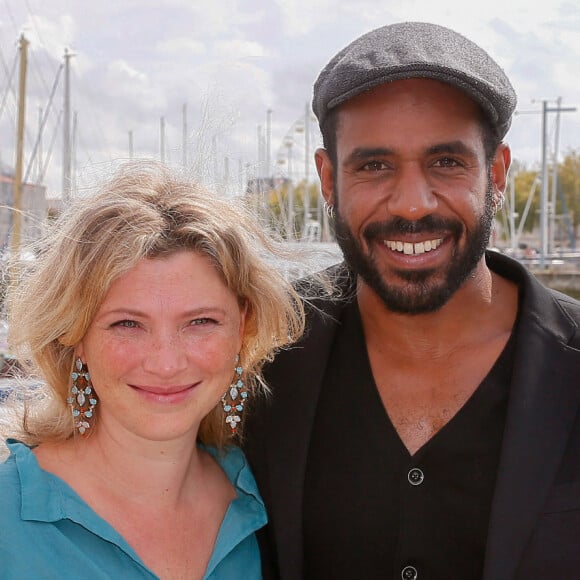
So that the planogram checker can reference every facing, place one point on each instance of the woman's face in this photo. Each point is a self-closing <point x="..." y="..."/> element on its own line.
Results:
<point x="161" y="349"/>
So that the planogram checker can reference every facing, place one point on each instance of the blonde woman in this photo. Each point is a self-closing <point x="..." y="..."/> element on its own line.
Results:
<point x="148" y="314"/>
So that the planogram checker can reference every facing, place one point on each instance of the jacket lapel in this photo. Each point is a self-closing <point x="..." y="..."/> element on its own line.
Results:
<point x="544" y="402"/>
<point x="294" y="409"/>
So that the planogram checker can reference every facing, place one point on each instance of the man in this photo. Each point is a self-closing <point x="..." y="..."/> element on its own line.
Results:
<point x="427" y="427"/>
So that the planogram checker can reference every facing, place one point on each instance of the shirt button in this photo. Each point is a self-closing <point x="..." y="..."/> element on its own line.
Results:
<point x="415" y="476"/>
<point x="409" y="573"/>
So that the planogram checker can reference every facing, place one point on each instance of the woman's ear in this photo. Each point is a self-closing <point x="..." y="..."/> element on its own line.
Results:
<point x="79" y="351"/>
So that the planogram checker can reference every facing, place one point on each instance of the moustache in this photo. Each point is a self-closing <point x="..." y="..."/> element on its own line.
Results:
<point x="432" y="225"/>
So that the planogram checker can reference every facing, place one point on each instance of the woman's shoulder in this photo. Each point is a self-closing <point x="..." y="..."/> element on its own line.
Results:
<point x="231" y="459"/>
<point x="11" y="487"/>
<point x="8" y="462"/>
<point x="29" y="492"/>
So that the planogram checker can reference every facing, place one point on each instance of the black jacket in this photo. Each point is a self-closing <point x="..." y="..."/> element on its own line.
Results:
<point x="534" y="529"/>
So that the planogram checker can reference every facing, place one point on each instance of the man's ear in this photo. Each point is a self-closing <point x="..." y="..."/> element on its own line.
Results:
<point x="499" y="168"/>
<point x="326" y="174"/>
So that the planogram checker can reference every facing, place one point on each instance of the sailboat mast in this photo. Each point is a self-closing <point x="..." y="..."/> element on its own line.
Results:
<point x="17" y="201"/>
<point x="66" y="144"/>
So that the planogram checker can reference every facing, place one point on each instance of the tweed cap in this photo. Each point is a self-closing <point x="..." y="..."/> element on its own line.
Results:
<point x="416" y="50"/>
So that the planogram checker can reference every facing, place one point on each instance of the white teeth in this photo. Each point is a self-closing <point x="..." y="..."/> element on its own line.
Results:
<point x="410" y="249"/>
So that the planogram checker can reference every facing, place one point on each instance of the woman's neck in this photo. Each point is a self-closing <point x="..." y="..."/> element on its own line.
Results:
<point x="137" y="470"/>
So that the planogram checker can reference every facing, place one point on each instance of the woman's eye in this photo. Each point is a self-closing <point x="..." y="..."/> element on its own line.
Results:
<point x="126" y="324"/>
<point x="201" y="321"/>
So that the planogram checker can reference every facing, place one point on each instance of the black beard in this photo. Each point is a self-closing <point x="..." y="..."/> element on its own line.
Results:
<point x="421" y="293"/>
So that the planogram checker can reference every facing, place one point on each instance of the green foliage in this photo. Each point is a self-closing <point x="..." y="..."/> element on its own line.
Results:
<point x="569" y="177"/>
<point x="289" y="198"/>
<point x="527" y="185"/>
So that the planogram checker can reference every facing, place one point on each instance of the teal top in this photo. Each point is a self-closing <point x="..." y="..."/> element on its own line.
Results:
<point x="47" y="531"/>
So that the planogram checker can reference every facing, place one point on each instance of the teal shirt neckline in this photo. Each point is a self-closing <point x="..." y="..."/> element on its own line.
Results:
<point x="47" y="498"/>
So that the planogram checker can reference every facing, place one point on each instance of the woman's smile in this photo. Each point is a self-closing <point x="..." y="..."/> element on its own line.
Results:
<point x="167" y="395"/>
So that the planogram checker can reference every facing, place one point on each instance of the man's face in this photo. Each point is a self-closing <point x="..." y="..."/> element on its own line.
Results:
<point x="412" y="191"/>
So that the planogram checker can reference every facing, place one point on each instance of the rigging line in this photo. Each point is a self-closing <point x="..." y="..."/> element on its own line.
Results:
<point x="11" y="15"/>
<point x="9" y="85"/>
<point x="38" y="69"/>
<point x="96" y="127"/>
<point x="4" y="65"/>
<point x="43" y="121"/>
<point x="49" y="152"/>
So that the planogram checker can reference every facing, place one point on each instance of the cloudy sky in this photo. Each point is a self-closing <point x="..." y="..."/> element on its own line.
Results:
<point x="148" y="76"/>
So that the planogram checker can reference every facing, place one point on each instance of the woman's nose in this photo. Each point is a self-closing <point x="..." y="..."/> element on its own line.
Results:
<point x="165" y="355"/>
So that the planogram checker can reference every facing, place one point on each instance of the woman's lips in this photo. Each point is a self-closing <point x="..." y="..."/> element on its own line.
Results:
<point x="172" y="394"/>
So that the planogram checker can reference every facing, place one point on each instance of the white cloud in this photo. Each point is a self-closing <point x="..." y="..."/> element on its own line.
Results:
<point x="301" y="17"/>
<point x="182" y="47"/>
<point x="51" y="35"/>
<point x="120" y="70"/>
<point x="239" y="49"/>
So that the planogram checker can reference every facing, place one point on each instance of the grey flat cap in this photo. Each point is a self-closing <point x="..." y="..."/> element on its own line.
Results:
<point x="416" y="50"/>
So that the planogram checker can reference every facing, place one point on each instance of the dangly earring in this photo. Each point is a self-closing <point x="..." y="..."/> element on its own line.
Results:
<point x="82" y="400"/>
<point x="234" y="398"/>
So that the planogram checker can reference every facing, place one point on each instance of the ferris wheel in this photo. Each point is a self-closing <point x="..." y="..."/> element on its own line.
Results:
<point x="298" y="193"/>
<point x="295" y="155"/>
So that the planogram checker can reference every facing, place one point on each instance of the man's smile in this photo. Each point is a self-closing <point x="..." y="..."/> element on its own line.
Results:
<point x="413" y="248"/>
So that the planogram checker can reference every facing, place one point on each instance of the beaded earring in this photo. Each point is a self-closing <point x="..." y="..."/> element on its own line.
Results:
<point x="82" y="399"/>
<point x="234" y="398"/>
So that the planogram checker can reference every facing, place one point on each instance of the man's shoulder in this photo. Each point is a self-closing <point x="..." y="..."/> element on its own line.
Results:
<point x="328" y="284"/>
<point x="324" y="295"/>
<point x="570" y="308"/>
<point x="568" y="303"/>
<point x="550" y="308"/>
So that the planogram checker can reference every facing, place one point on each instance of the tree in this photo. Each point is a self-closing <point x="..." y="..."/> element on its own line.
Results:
<point x="527" y="186"/>
<point x="527" y="197"/>
<point x="289" y="198"/>
<point x="569" y="181"/>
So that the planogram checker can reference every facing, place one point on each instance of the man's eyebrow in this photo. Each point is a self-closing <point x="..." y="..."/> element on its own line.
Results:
<point x="360" y="154"/>
<point x="363" y="153"/>
<point x="454" y="147"/>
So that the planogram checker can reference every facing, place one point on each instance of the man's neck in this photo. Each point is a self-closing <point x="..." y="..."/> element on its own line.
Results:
<point x="483" y="307"/>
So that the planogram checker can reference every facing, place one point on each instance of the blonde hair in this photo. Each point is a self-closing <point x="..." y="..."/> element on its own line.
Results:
<point x="144" y="211"/>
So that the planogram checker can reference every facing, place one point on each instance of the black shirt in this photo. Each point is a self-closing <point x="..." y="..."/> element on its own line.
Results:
<point x="371" y="510"/>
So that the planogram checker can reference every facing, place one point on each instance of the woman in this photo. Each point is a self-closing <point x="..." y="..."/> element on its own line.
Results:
<point x="148" y="314"/>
